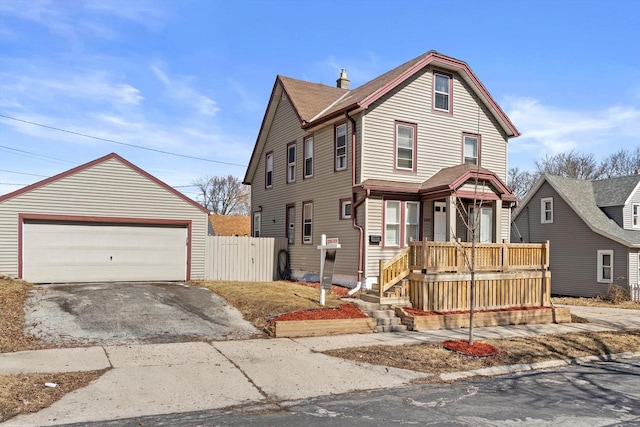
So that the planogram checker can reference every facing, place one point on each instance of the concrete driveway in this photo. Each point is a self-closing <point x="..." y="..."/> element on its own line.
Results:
<point x="131" y="313"/>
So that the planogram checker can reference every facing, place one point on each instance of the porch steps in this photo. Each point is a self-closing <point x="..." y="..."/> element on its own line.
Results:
<point x="385" y="316"/>
<point x="393" y="296"/>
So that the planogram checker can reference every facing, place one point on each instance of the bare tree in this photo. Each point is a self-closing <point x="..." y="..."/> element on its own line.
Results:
<point x="571" y="164"/>
<point x="521" y="181"/>
<point x="621" y="163"/>
<point x="224" y="195"/>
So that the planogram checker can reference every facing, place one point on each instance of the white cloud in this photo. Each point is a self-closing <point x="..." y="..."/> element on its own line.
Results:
<point x="180" y="89"/>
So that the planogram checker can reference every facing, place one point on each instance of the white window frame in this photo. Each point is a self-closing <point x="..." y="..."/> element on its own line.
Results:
<point x="466" y="157"/>
<point x="307" y="219"/>
<point x="396" y="224"/>
<point x="268" y="176"/>
<point x="291" y="164"/>
<point x="291" y="224"/>
<point x="477" y="232"/>
<point x="257" y="224"/>
<point x="407" y="235"/>
<point x="343" y="209"/>
<point x="341" y="147"/>
<point x="635" y="215"/>
<point x="602" y="266"/>
<point x="412" y="148"/>
<point x="308" y="157"/>
<point x="544" y="210"/>
<point x="437" y="92"/>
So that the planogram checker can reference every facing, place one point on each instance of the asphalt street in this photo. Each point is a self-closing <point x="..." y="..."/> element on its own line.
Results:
<point x="596" y="394"/>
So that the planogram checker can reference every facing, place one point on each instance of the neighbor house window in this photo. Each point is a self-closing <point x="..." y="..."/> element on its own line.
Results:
<point x="471" y="145"/>
<point x="635" y="216"/>
<point x="605" y="266"/>
<point x="257" y="223"/>
<point x="268" y="180"/>
<point x="392" y="217"/>
<point x="412" y="222"/>
<point x="291" y="223"/>
<point x="345" y="208"/>
<point x="291" y="162"/>
<point x="546" y="210"/>
<point x="405" y="146"/>
<point x="442" y="92"/>
<point x="307" y="222"/>
<point x="341" y="147"/>
<point x="308" y="157"/>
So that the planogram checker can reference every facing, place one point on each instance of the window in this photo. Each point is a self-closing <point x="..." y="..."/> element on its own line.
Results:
<point x="471" y="149"/>
<point x="442" y="92"/>
<point x="405" y="146"/>
<point x="307" y="222"/>
<point x="291" y="162"/>
<point x="257" y="223"/>
<point x="412" y="222"/>
<point x="546" y="210"/>
<point x="605" y="266"/>
<point x="308" y="157"/>
<point x="341" y="147"/>
<point x="291" y="223"/>
<point x="401" y="223"/>
<point x="635" y="216"/>
<point x="268" y="179"/>
<point x="481" y="224"/>
<point x="345" y="208"/>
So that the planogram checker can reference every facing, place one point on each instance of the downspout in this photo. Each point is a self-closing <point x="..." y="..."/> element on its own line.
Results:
<point x="355" y="204"/>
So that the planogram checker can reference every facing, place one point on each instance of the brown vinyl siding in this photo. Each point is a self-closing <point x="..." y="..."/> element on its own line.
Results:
<point x="573" y="247"/>
<point x="107" y="189"/>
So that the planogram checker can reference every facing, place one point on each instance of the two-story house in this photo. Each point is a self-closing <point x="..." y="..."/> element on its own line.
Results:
<point x="593" y="228"/>
<point x="401" y="157"/>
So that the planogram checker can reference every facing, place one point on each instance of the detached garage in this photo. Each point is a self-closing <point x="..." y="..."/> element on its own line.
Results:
<point x="107" y="220"/>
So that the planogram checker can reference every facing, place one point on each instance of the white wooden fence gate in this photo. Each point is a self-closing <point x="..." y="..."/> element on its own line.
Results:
<point x="251" y="259"/>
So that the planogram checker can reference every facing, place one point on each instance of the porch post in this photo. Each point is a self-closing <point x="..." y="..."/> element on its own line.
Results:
<point x="452" y="214"/>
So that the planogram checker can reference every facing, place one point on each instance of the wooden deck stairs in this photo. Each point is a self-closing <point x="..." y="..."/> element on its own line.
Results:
<point x="385" y="316"/>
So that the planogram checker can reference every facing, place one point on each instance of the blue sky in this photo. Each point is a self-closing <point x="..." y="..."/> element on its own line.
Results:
<point x="193" y="77"/>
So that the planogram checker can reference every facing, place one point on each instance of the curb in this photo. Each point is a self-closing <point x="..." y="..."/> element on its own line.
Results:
<point x="523" y="367"/>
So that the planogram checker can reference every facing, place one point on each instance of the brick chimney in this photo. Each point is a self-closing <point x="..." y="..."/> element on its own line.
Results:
<point x="343" y="81"/>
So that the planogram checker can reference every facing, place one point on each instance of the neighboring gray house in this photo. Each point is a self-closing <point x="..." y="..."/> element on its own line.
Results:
<point x="378" y="165"/>
<point x="106" y="220"/>
<point x="593" y="228"/>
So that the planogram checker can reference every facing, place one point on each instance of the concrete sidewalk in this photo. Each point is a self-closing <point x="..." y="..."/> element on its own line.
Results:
<point x="171" y="378"/>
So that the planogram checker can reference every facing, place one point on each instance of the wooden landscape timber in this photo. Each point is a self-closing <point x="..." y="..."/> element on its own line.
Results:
<point x="312" y="328"/>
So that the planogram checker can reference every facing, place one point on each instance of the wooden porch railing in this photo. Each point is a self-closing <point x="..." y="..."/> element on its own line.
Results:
<point x="455" y="257"/>
<point x="393" y="271"/>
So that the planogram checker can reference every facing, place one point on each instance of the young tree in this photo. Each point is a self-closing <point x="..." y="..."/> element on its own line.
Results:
<point x="224" y="195"/>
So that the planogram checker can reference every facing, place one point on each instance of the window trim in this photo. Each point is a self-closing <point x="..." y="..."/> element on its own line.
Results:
<point x="635" y="215"/>
<point x="406" y="222"/>
<point x="306" y="157"/>
<point x="335" y="147"/>
<point x="291" y="239"/>
<point x="256" y="225"/>
<point x="449" y="76"/>
<point x="343" y="203"/>
<point x="601" y="266"/>
<point x="303" y="235"/>
<point x="403" y="223"/>
<point x="414" y="159"/>
<point x="268" y="156"/>
<point x="478" y="138"/>
<point x="543" y="211"/>
<point x="292" y="164"/>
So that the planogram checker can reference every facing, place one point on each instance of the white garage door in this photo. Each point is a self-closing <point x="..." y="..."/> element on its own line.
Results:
<point x="56" y="252"/>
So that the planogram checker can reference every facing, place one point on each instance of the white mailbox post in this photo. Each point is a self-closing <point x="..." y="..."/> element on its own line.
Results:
<point x="327" y="260"/>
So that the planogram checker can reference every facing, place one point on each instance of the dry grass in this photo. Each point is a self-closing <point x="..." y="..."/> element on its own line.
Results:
<point x="434" y="359"/>
<point x="595" y="302"/>
<point x="259" y="301"/>
<point x="13" y="294"/>
<point x="25" y="393"/>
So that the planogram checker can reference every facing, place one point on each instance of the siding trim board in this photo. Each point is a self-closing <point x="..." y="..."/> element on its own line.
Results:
<point x="22" y="217"/>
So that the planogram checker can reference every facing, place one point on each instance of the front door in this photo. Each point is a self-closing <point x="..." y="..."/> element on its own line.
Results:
<point x="439" y="221"/>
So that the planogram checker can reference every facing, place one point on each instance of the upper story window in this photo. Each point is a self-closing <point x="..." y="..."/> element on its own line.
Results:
<point x="471" y="149"/>
<point x="341" y="147"/>
<point x="635" y="216"/>
<point x="605" y="266"/>
<point x="307" y="222"/>
<point x="405" y="146"/>
<point x="546" y="210"/>
<point x="268" y="179"/>
<point x="308" y="157"/>
<point x="291" y="162"/>
<point x="442" y="92"/>
<point x="345" y="208"/>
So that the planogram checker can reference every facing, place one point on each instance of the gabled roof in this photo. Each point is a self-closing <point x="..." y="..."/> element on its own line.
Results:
<point x="317" y="103"/>
<point x="581" y="196"/>
<point x="103" y="159"/>
<point x="230" y="225"/>
<point x="615" y="191"/>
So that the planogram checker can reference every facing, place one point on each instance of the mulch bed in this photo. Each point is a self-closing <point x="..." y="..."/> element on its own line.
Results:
<point x="345" y="311"/>
<point x="415" y="312"/>
<point x="340" y="291"/>
<point x="478" y="349"/>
